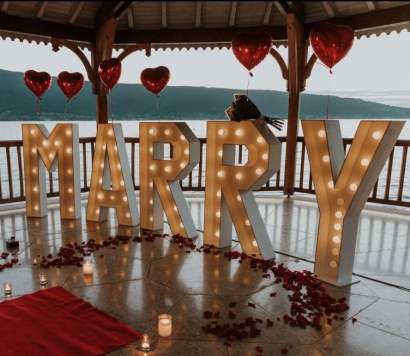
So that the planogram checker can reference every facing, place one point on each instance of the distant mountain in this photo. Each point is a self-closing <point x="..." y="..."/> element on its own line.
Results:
<point x="399" y="98"/>
<point x="132" y="101"/>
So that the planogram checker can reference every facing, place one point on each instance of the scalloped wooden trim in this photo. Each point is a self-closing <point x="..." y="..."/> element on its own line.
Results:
<point x="133" y="48"/>
<point x="58" y="42"/>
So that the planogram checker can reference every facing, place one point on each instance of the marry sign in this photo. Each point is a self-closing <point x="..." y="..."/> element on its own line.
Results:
<point x="342" y="182"/>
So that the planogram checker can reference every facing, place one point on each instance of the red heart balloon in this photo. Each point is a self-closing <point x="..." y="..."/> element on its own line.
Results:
<point x="250" y="48"/>
<point x="110" y="71"/>
<point x="331" y="42"/>
<point x="70" y="83"/>
<point x="37" y="82"/>
<point x="155" y="79"/>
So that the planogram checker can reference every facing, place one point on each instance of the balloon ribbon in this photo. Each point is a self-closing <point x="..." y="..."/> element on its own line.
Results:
<point x="158" y="114"/>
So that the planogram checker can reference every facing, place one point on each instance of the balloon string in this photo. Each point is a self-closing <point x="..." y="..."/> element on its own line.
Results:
<point x="38" y="107"/>
<point x="158" y="113"/>
<point x="328" y="94"/>
<point x="327" y="106"/>
<point x="247" y="85"/>
<point x="110" y="105"/>
<point x="66" y="109"/>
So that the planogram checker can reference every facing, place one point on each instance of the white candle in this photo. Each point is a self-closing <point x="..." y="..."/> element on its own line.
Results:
<point x="145" y="346"/>
<point x="7" y="288"/>
<point x="43" y="279"/>
<point x="164" y="325"/>
<point x="88" y="267"/>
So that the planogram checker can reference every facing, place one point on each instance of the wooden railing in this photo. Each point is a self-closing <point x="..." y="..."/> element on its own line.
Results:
<point x="393" y="186"/>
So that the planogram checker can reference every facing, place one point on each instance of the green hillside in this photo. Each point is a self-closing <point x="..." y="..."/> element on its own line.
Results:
<point x="132" y="101"/>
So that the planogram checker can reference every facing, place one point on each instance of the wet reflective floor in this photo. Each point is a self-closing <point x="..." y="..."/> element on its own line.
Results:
<point x="136" y="282"/>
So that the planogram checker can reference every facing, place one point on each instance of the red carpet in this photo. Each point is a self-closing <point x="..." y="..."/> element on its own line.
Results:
<point x="56" y="322"/>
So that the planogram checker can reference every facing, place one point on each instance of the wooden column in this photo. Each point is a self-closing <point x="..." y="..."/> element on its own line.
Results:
<point x="105" y="36"/>
<point x="297" y="52"/>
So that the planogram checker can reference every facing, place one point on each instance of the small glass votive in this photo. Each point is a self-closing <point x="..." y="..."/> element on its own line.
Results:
<point x="88" y="267"/>
<point x="164" y="325"/>
<point x="7" y="289"/>
<point x="88" y="279"/>
<point x="43" y="279"/>
<point x="146" y="344"/>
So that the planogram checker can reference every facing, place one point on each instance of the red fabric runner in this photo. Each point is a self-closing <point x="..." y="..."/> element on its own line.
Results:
<point x="56" y="322"/>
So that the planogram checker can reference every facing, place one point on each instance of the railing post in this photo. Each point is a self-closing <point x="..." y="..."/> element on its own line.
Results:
<point x="297" y="53"/>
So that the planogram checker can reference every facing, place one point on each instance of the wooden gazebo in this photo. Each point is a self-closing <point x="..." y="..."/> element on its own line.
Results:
<point x="150" y="25"/>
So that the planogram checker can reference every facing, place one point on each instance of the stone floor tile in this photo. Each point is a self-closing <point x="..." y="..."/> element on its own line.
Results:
<point x="389" y="316"/>
<point x="206" y="273"/>
<point x="137" y="303"/>
<point x="362" y="340"/>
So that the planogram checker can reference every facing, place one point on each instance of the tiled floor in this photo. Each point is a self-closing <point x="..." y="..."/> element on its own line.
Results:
<point x="136" y="282"/>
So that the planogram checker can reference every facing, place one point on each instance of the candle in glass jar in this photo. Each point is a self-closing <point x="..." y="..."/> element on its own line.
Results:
<point x="88" y="278"/>
<point x="164" y="325"/>
<point x="7" y="289"/>
<point x="43" y="279"/>
<point x="145" y="345"/>
<point x="88" y="267"/>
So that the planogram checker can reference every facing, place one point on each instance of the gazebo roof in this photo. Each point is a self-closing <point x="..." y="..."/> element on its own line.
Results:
<point x="190" y="24"/>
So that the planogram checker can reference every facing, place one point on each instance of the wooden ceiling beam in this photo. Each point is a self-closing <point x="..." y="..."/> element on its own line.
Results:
<point x="5" y="6"/>
<point x="78" y="6"/>
<point x="280" y="6"/>
<point x="164" y="19"/>
<point x="371" y="5"/>
<point x="294" y="7"/>
<point x="45" y="28"/>
<point x="193" y="35"/>
<point x="130" y="17"/>
<point x="268" y="12"/>
<point x="198" y="14"/>
<point x="35" y="26"/>
<point x="374" y="19"/>
<point x="378" y="18"/>
<point x="232" y="14"/>
<point x="110" y="9"/>
<point x="329" y="8"/>
<point x="41" y="9"/>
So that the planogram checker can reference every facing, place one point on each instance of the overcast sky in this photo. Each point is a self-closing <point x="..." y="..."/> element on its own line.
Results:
<point x="375" y="64"/>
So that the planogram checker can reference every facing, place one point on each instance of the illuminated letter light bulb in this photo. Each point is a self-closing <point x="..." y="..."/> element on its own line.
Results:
<point x="339" y="214"/>
<point x="364" y="162"/>
<point x="377" y="135"/>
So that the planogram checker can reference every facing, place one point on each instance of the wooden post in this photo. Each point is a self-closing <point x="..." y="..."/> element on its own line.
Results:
<point x="103" y="50"/>
<point x="297" y="52"/>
